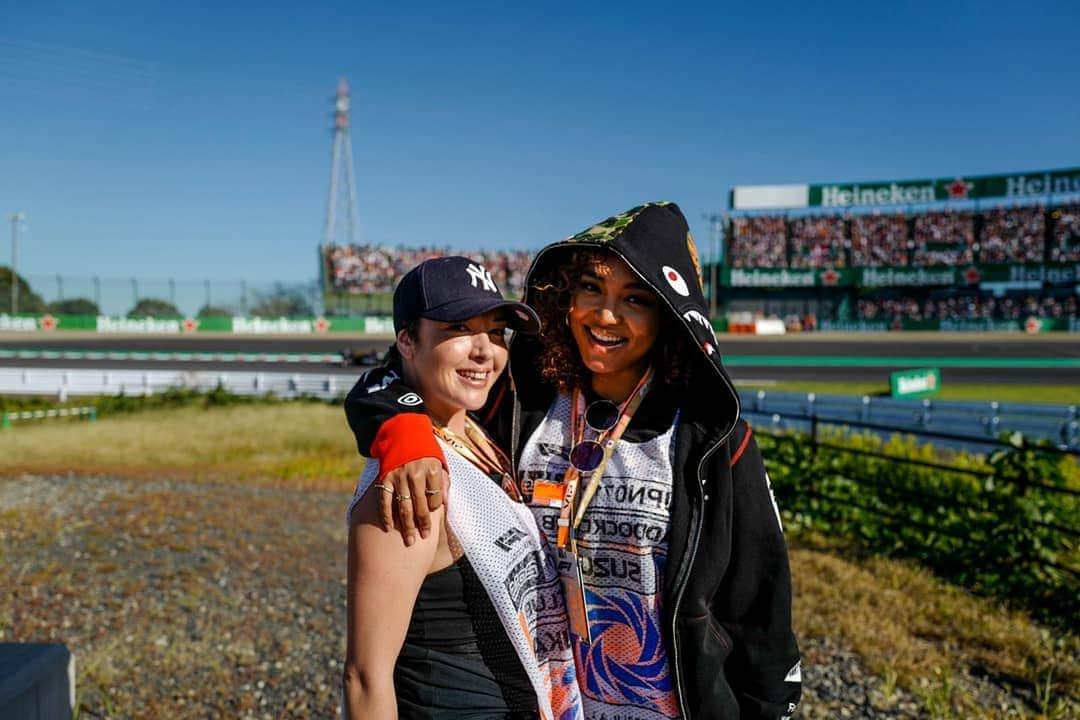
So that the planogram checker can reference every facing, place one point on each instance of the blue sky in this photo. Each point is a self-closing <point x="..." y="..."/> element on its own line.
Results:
<point x="192" y="140"/>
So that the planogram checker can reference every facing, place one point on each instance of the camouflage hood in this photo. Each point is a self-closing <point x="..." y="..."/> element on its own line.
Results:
<point x="655" y="241"/>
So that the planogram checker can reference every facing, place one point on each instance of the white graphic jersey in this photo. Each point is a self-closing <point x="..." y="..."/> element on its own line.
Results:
<point x="622" y="544"/>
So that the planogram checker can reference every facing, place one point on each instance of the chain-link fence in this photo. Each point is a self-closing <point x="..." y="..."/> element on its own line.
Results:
<point x="89" y="295"/>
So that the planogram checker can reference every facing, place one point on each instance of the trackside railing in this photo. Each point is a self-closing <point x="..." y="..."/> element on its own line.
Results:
<point x="1059" y="424"/>
<point x="999" y="515"/>
<point x="8" y="419"/>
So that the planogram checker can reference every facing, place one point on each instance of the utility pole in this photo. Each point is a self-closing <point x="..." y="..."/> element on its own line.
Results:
<point x="16" y="220"/>
<point x="715" y="224"/>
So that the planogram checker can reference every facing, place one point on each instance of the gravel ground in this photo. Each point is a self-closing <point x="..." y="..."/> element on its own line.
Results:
<point x="203" y="600"/>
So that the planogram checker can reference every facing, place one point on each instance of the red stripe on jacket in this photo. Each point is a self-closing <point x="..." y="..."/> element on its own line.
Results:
<point x="742" y="445"/>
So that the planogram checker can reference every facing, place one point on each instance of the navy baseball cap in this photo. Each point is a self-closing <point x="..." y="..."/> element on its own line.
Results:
<point x="452" y="289"/>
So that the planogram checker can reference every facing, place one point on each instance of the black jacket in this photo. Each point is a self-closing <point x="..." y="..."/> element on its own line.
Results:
<point x="727" y="588"/>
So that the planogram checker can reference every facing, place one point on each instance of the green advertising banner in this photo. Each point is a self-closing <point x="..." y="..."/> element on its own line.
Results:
<point x="910" y="384"/>
<point x="384" y="325"/>
<point x="1032" y="184"/>
<point x="910" y="277"/>
<point x="787" y="277"/>
<point x="1031" y="325"/>
<point x="48" y="323"/>
<point x="177" y="325"/>
<point x="899" y="276"/>
<point x="854" y="326"/>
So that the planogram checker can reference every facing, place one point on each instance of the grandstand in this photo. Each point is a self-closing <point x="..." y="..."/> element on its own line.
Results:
<point x="360" y="279"/>
<point x="988" y="252"/>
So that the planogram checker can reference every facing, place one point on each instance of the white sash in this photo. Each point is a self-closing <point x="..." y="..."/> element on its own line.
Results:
<point x="511" y="558"/>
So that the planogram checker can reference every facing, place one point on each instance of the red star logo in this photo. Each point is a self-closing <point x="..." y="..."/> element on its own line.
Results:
<point x="829" y="277"/>
<point x="971" y="275"/>
<point x="48" y="322"/>
<point x="959" y="189"/>
<point x="322" y="325"/>
<point x="1032" y="325"/>
<point x="190" y="325"/>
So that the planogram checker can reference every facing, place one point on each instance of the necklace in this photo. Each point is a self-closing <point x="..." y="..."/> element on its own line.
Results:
<point x="479" y="449"/>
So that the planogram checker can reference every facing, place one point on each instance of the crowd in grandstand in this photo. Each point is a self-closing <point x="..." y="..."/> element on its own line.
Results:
<point x="759" y="242"/>
<point x="943" y="238"/>
<point x="966" y="306"/>
<point x="879" y="240"/>
<point x="1001" y="235"/>
<point x="818" y="241"/>
<point x="377" y="268"/>
<point x="1065" y="241"/>
<point x="1012" y="235"/>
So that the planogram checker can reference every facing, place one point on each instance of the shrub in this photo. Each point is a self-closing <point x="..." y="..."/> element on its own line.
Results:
<point x="1004" y="525"/>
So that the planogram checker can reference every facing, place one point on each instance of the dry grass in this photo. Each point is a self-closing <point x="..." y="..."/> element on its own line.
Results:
<point x="918" y="632"/>
<point x="296" y="442"/>
<point x="908" y="627"/>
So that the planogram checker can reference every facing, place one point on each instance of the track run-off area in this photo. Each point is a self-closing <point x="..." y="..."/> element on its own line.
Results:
<point x="963" y="358"/>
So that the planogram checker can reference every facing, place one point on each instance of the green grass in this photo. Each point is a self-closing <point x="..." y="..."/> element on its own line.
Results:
<point x="1053" y="394"/>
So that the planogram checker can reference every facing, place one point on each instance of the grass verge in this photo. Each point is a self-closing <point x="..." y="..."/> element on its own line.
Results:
<point x="915" y="631"/>
<point x="199" y="587"/>
<point x="302" y="443"/>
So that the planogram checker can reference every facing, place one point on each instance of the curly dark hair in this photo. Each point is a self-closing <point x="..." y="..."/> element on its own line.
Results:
<point x="559" y="361"/>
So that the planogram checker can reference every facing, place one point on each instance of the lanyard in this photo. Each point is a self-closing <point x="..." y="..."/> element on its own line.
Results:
<point x="478" y="448"/>
<point x="571" y="513"/>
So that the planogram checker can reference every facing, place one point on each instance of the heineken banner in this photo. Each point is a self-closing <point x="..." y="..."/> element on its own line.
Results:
<point x="379" y="325"/>
<point x="1031" y="325"/>
<point x="1035" y="184"/>
<point x="786" y="277"/>
<point x="175" y="326"/>
<point x="898" y="276"/>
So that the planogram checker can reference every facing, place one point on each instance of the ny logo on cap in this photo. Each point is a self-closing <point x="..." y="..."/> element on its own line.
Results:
<point x="478" y="273"/>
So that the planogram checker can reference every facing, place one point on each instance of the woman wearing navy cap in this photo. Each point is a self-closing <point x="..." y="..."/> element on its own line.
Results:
<point x="467" y="622"/>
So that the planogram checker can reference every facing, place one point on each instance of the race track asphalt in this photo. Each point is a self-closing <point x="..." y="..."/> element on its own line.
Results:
<point x="964" y="358"/>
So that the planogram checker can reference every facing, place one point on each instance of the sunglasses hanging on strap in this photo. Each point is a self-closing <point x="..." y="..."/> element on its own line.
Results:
<point x="589" y="457"/>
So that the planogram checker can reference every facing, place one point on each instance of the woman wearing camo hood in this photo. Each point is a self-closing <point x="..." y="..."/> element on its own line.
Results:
<point x="627" y="444"/>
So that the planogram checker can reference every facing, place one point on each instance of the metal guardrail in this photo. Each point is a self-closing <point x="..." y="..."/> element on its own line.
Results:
<point x="966" y="423"/>
<point x="63" y="383"/>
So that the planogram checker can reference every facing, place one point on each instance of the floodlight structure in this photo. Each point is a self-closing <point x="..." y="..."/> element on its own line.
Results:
<point x="16" y="220"/>
<point x="341" y="203"/>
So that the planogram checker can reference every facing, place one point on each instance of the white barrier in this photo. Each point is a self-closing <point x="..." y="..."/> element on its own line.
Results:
<point x="769" y="326"/>
<point x="62" y="383"/>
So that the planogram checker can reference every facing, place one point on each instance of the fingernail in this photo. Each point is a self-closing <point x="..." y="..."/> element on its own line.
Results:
<point x="409" y="540"/>
<point x="424" y="532"/>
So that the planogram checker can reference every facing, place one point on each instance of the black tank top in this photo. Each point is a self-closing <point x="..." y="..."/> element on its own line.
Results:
<point x="457" y="661"/>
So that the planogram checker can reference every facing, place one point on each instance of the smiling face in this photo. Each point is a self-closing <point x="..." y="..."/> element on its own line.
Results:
<point x="615" y="319"/>
<point x="454" y="365"/>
